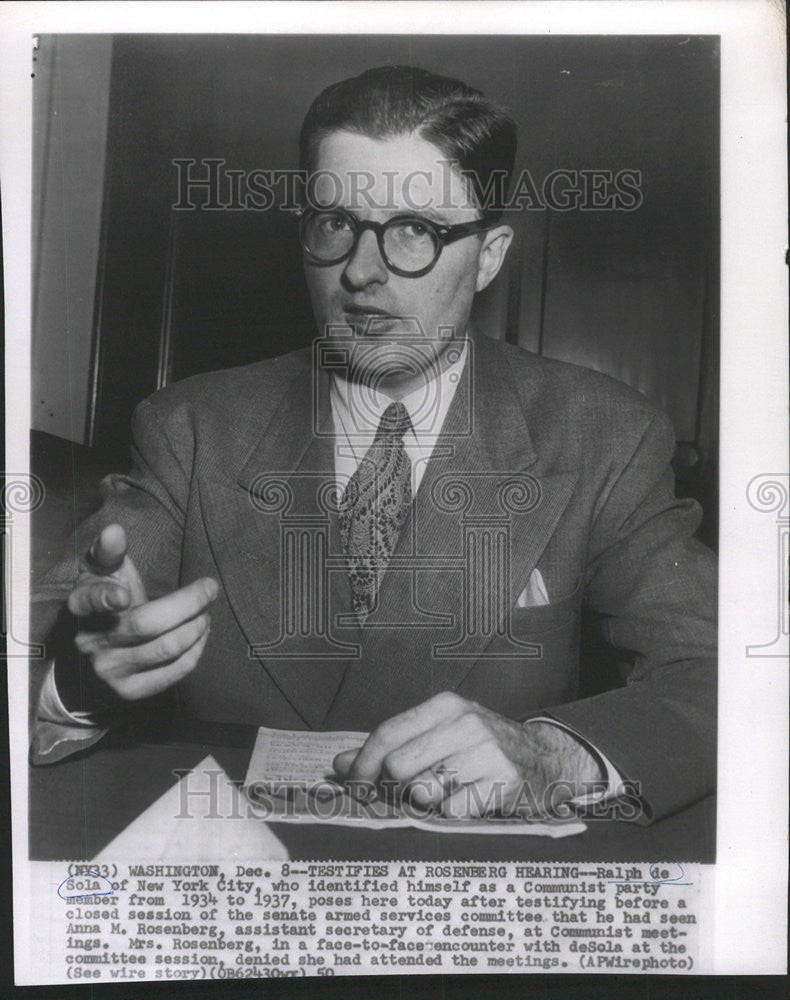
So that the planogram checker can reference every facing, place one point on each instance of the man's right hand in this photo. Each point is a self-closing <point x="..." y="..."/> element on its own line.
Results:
<point x="136" y="647"/>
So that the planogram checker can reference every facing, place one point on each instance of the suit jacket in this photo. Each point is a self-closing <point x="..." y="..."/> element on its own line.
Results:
<point x="540" y="464"/>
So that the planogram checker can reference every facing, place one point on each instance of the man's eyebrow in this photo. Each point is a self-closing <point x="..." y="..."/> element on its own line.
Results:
<point x="429" y="214"/>
<point x="435" y="215"/>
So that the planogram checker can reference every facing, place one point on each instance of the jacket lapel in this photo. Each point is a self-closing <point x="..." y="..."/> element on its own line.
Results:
<point x="271" y="533"/>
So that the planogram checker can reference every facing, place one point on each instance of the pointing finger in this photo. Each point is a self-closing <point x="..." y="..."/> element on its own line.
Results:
<point x="156" y="617"/>
<point x="118" y="662"/>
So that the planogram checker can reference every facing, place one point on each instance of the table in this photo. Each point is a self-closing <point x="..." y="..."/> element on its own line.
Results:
<point x="79" y="805"/>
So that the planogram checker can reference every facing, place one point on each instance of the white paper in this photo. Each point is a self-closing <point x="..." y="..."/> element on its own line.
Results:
<point x="163" y="833"/>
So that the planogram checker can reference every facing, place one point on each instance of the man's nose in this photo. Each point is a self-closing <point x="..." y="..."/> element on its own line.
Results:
<point x="365" y="265"/>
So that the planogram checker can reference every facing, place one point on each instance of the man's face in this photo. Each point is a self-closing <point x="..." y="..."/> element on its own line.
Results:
<point x="375" y="180"/>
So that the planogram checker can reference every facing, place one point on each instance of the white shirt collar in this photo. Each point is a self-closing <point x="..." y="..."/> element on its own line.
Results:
<point x="358" y="408"/>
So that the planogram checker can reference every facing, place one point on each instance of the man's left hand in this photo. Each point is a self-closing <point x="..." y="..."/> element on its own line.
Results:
<point x="466" y="761"/>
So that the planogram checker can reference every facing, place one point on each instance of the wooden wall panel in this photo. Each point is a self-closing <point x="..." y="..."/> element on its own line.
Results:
<point x="629" y="307"/>
<point x="70" y="100"/>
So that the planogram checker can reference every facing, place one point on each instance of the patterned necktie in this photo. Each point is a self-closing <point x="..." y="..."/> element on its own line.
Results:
<point x="374" y="507"/>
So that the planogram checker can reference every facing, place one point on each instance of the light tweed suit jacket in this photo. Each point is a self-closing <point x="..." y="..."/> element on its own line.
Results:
<point x="540" y="464"/>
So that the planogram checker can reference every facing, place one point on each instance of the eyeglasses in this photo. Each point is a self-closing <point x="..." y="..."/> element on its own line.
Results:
<point x="409" y="245"/>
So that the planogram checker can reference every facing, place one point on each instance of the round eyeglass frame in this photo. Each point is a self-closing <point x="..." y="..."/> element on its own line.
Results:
<point x="444" y="234"/>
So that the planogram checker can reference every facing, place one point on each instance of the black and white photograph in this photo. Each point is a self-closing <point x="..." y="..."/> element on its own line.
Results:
<point x="374" y="502"/>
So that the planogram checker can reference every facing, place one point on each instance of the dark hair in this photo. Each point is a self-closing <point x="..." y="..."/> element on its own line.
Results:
<point x="456" y="118"/>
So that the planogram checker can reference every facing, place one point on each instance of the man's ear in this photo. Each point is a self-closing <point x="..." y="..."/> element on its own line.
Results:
<point x="492" y="255"/>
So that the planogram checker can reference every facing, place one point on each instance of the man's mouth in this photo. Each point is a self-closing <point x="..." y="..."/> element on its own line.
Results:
<point x="355" y="310"/>
<point x="370" y="320"/>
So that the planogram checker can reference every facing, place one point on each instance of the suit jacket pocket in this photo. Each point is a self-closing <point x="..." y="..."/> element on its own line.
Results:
<point x="547" y="671"/>
<point x="545" y="618"/>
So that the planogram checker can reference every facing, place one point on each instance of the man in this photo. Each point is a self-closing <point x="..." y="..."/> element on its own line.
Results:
<point x="478" y="496"/>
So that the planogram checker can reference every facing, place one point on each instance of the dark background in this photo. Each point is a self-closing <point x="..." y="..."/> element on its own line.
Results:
<point x="633" y="294"/>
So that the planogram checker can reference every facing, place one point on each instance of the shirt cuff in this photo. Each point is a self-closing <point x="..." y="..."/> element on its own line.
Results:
<point x="59" y="732"/>
<point x="612" y="777"/>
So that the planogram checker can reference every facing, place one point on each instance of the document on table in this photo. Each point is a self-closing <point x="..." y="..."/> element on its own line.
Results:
<point x="290" y="779"/>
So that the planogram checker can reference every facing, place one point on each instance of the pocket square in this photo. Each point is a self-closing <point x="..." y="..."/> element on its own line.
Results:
<point x="534" y="595"/>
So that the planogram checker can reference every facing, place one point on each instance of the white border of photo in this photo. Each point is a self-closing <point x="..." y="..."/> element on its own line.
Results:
<point x="748" y="917"/>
